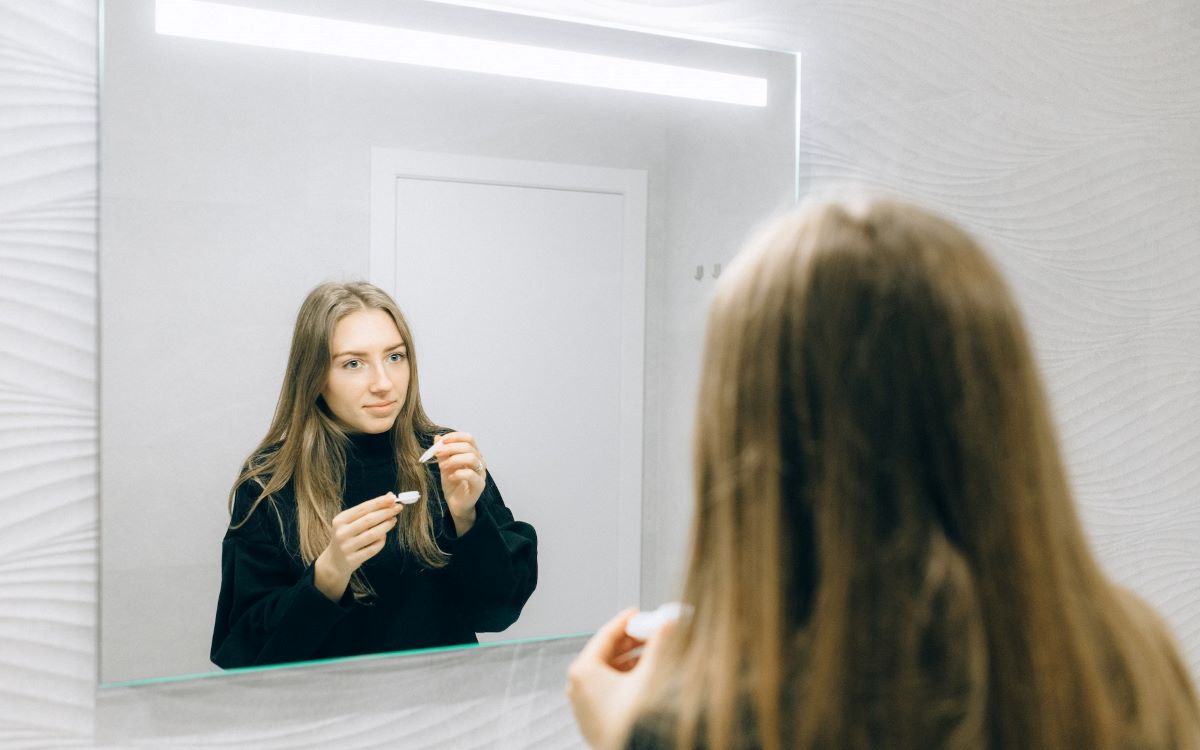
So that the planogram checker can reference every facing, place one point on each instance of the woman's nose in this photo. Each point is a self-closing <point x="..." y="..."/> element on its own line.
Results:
<point x="381" y="382"/>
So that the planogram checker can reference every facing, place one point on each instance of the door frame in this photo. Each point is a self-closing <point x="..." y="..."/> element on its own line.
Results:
<point x="388" y="165"/>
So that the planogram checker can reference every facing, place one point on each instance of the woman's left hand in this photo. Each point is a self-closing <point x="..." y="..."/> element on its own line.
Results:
<point x="606" y="681"/>
<point x="462" y="471"/>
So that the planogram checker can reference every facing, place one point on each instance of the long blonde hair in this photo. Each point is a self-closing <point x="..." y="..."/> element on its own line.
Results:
<point x="305" y="445"/>
<point x="885" y="552"/>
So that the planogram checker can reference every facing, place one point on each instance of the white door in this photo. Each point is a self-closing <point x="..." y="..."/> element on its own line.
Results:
<point x="524" y="285"/>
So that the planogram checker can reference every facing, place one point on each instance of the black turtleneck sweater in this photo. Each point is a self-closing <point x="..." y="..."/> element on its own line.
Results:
<point x="269" y="611"/>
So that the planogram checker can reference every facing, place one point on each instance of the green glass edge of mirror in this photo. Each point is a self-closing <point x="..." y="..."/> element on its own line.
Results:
<point x="145" y="681"/>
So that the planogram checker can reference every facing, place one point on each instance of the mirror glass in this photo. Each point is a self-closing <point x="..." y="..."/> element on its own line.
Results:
<point x="552" y="245"/>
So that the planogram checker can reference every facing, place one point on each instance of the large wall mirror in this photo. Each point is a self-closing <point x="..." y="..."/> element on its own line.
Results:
<point x="553" y="245"/>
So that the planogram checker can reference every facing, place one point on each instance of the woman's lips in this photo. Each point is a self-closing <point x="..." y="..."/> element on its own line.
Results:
<point x="385" y="406"/>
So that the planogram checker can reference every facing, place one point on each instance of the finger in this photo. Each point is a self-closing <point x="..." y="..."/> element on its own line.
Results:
<point x="367" y="506"/>
<point x="460" y="461"/>
<point x="653" y="649"/>
<point x="465" y="476"/>
<point x="456" y="442"/>
<point x="370" y="536"/>
<point x="448" y="467"/>
<point x="625" y="652"/>
<point x="370" y="550"/>
<point x="633" y="652"/>
<point x="458" y="438"/>
<point x="604" y="645"/>
<point x="369" y="521"/>
<point x="366" y="553"/>
<point x="628" y="660"/>
<point x="367" y="535"/>
<point x="454" y="450"/>
<point x="462" y="467"/>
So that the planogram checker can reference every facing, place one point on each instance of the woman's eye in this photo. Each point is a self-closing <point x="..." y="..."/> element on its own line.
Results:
<point x="398" y="356"/>
<point x="352" y="364"/>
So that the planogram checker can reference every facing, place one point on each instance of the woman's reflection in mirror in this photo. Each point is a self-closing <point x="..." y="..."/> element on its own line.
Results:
<point x="319" y="559"/>
<point x="885" y="552"/>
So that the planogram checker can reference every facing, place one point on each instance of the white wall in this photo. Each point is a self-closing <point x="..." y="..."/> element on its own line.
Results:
<point x="1062" y="132"/>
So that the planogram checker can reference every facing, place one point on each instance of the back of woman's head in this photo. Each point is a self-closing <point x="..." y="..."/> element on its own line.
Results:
<point x="884" y="537"/>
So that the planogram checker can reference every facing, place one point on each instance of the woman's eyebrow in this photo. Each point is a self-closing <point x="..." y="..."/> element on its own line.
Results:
<point x="401" y="345"/>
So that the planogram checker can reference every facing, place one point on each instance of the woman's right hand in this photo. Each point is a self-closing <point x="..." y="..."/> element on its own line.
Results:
<point x="606" y="681"/>
<point x="359" y="533"/>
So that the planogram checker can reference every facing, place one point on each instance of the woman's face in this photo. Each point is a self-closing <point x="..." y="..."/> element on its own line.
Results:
<point x="368" y="372"/>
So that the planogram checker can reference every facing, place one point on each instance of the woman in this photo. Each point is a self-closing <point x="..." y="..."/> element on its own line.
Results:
<point x="885" y="552"/>
<point x="310" y="567"/>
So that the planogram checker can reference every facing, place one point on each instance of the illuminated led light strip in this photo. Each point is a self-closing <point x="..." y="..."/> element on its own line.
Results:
<point x="264" y="28"/>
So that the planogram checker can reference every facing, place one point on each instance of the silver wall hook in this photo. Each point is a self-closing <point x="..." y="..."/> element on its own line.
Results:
<point x="717" y="271"/>
<point x="699" y="272"/>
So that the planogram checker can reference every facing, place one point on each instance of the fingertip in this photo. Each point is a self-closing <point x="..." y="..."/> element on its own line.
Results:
<point x="661" y="634"/>
<point x="620" y="620"/>
<point x="663" y="631"/>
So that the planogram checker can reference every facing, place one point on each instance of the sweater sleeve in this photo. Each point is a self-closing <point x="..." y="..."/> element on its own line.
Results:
<point x="494" y="564"/>
<point x="269" y="610"/>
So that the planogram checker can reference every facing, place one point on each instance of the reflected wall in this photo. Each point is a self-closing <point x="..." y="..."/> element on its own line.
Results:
<point x="236" y="178"/>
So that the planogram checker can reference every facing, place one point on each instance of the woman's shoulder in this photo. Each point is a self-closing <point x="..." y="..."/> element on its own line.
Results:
<point x="651" y="731"/>
<point x="262" y="456"/>
<point x="251" y="503"/>
<point x="258" y="468"/>
<point x="259" y="519"/>
<point x="250" y="488"/>
<point x="1146" y="620"/>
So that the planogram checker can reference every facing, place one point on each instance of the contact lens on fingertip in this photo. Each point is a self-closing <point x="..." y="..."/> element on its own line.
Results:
<point x="642" y="625"/>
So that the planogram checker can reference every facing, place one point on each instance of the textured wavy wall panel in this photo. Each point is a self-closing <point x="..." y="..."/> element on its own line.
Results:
<point x="48" y="368"/>
<point x="1065" y="138"/>
<point x="1063" y="133"/>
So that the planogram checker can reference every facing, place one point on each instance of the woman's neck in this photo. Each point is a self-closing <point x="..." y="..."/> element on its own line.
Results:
<point x="371" y="446"/>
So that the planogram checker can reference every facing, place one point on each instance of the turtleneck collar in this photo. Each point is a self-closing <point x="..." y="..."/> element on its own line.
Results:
<point x="371" y="447"/>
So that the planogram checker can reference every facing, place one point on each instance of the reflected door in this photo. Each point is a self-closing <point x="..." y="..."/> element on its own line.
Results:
<point x="523" y="283"/>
